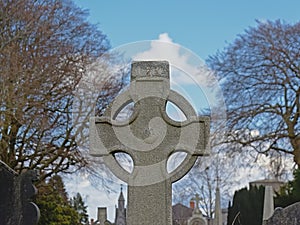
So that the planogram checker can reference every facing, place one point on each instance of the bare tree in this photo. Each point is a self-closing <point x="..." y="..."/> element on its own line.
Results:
<point x="260" y="76"/>
<point x="45" y="48"/>
<point x="209" y="172"/>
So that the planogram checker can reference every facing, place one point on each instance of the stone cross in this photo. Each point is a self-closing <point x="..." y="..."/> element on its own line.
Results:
<point x="197" y="217"/>
<point x="149" y="137"/>
<point x="197" y="199"/>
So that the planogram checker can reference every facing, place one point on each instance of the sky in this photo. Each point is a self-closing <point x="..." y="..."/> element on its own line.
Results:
<point x="201" y="26"/>
<point x="197" y="28"/>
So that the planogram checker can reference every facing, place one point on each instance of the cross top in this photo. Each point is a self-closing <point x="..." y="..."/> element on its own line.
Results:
<point x="149" y="136"/>
<point x="197" y="199"/>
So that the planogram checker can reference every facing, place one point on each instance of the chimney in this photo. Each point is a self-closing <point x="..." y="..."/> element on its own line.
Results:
<point x="102" y="215"/>
<point x="192" y="204"/>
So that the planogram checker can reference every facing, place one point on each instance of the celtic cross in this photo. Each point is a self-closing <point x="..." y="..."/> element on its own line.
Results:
<point x="150" y="137"/>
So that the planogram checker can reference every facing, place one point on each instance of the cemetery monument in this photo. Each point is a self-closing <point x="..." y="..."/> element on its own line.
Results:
<point x="149" y="137"/>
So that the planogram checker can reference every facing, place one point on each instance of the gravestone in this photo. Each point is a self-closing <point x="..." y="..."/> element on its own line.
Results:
<point x="149" y="137"/>
<point x="16" y="193"/>
<point x="268" y="209"/>
<point x="285" y="216"/>
<point x="197" y="217"/>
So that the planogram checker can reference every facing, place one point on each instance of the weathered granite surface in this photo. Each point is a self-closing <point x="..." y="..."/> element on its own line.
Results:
<point x="16" y="193"/>
<point x="285" y="216"/>
<point x="149" y="136"/>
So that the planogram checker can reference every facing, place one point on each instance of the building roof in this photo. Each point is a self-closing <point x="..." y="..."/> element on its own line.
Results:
<point x="121" y="196"/>
<point x="181" y="212"/>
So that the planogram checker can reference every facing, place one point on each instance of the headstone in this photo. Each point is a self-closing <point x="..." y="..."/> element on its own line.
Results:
<point x="197" y="217"/>
<point x="149" y="136"/>
<point x="268" y="203"/>
<point x="287" y="216"/>
<point x="16" y="193"/>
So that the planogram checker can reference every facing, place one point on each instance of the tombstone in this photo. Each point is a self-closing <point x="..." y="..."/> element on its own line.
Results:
<point x="149" y="137"/>
<point x="16" y="193"/>
<point x="268" y="209"/>
<point x="287" y="216"/>
<point x="197" y="217"/>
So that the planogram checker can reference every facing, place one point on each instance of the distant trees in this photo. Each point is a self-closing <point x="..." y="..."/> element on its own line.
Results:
<point x="77" y="203"/>
<point x="54" y="204"/>
<point x="46" y="46"/>
<point x="260" y="78"/>
<point x="247" y="207"/>
<point x="289" y="193"/>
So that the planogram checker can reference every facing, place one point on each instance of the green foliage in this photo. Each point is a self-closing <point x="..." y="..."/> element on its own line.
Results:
<point x="54" y="206"/>
<point x="78" y="204"/>
<point x="290" y="193"/>
<point x="247" y="207"/>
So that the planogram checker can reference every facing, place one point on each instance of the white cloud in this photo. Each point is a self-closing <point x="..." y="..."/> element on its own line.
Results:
<point x="165" y="37"/>
<point x="84" y="183"/>
<point x="190" y="68"/>
<point x="188" y="73"/>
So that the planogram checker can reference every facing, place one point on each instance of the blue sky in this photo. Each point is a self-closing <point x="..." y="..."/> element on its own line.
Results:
<point x="200" y="26"/>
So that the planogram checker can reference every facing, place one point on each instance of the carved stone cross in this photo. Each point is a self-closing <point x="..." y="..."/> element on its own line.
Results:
<point x="197" y="199"/>
<point x="197" y="217"/>
<point x="149" y="136"/>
